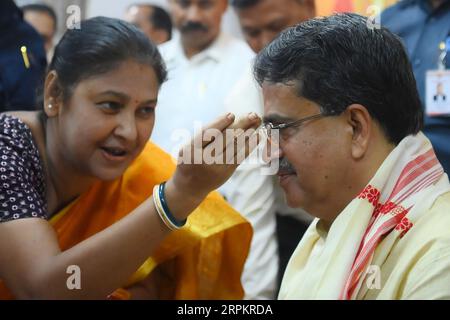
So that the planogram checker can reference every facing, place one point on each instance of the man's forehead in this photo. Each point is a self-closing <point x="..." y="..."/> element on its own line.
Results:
<point x="278" y="90"/>
<point x="276" y="118"/>
<point x="282" y="101"/>
<point x="253" y="17"/>
<point x="268" y="7"/>
<point x="196" y="2"/>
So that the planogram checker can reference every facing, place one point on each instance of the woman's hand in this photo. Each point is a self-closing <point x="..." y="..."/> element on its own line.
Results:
<point x="211" y="158"/>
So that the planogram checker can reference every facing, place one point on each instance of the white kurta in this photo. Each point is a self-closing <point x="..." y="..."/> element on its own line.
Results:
<point x="195" y="94"/>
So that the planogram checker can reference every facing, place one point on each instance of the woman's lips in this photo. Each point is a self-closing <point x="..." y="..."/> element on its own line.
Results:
<point x="114" y="156"/>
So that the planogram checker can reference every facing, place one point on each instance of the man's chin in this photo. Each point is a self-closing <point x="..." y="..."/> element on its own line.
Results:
<point x="197" y="39"/>
<point x="292" y="201"/>
<point x="291" y="189"/>
<point x="287" y="181"/>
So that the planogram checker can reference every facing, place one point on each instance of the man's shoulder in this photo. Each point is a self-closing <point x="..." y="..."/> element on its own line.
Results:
<point x="441" y="206"/>
<point x="430" y="231"/>
<point x="168" y="48"/>
<point x="226" y="45"/>
<point x="424" y="251"/>
<point x="237" y="45"/>
<point x="429" y="270"/>
<point x="400" y="5"/>
<point x="433" y="228"/>
<point x="396" y="9"/>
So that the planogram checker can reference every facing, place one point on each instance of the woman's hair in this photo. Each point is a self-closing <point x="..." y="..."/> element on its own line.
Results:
<point x="99" y="45"/>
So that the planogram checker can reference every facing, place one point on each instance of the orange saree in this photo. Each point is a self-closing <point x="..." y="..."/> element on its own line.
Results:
<point x="204" y="259"/>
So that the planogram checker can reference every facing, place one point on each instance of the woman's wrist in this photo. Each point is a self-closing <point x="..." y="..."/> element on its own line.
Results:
<point x="181" y="202"/>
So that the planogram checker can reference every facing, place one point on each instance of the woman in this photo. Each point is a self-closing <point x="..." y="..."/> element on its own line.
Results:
<point x="84" y="164"/>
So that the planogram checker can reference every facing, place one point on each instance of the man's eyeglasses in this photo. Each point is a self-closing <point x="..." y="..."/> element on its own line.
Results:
<point x="268" y="128"/>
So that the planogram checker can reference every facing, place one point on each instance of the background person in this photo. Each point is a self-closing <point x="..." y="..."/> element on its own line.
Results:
<point x="154" y="21"/>
<point x="423" y="25"/>
<point x="42" y="17"/>
<point x="261" y="21"/>
<point x="22" y="60"/>
<point x="204" y="65"/>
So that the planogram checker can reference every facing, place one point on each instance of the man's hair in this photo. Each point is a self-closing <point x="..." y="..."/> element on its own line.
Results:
<point x="244" y="4"/>
<point x="42" y="8"/>
<point x="340" y="60"/>
<point x="159" y="18"/>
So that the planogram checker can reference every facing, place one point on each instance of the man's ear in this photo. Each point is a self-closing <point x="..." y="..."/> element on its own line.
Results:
<point x="360" y="122"/>
<point x="160" y="36"/>
<point x="309" y="5"/>
<point x="224" y="6"/>
<point x="53" y="95"/>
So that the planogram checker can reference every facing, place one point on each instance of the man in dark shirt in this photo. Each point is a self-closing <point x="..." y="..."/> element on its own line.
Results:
<point x="22" y="60"/>
<point x="423" y="25"/>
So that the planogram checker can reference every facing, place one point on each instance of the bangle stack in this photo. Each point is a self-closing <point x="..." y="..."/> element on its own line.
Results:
<point x="164" y="213"/>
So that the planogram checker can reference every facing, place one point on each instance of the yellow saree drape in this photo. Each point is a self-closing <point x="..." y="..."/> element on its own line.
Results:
<point x="205" y="258"/>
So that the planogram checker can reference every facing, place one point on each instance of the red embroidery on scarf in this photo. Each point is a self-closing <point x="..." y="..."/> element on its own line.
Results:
<point x="371" y="194"/>
<point x="397" y="212"/>
<point x="388" y="207"/>
<point x="404" y="226"/>
<point x="378" y="209"/>
<point x="424" y="166"/>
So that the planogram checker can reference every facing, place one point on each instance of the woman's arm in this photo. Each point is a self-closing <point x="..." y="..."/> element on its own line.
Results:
<point x="33" y="266"/>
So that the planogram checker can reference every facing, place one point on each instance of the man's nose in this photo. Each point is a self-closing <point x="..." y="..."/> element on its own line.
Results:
<point x="272" y="150"/>
<point x="194" y="14"/>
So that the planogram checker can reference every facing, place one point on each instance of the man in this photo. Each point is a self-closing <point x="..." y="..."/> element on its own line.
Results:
<point x="22" y="60"/>
<point x="352" y="155"/>
<point x="261" y="21"/>
<point x="423" y="25"/>
<point x="42" y="18"/>
<point x="154" y="21"/>
<point x="440" y="95"/>
<point x="204" y="65"/>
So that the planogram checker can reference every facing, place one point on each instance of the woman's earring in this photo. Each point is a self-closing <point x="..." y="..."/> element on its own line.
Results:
<point x="50" y="106"/>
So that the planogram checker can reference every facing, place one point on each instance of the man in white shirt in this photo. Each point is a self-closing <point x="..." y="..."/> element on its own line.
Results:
<point x="261" y="21"/>
<point x="204" y="65"/>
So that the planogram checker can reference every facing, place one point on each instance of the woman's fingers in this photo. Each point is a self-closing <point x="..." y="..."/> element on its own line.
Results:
<point x="212" y="131"/>
<point x="243" y="145"/>
<point x="252" y="120"/>
<point x="221" y="141"/>
<point x="207" y="135"/>
<point x="240" y="139"/>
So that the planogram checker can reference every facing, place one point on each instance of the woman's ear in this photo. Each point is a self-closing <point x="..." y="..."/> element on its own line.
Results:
<point x="53" y="96"/>
<point x="361" y="123"/>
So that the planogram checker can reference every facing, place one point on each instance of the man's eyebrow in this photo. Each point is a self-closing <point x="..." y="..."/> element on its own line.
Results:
<point x="276" y="119"/>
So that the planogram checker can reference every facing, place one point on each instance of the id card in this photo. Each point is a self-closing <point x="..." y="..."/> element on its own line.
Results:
<point x="437" y="93"/>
